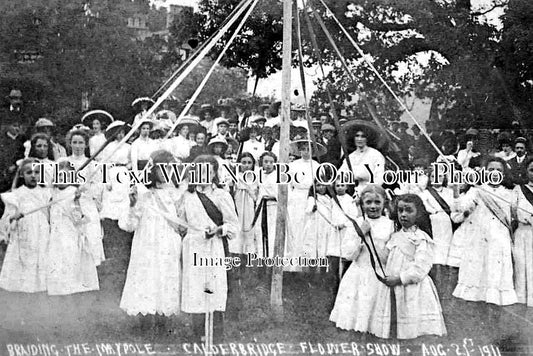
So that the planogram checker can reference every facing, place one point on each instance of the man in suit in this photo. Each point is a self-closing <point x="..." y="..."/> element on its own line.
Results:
<point x="517" y="164"/>
<point x="333" y="146"/>
<point x="13" y="132"/>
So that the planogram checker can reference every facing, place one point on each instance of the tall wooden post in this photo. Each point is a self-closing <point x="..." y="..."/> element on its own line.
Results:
<point x="276" y="294"/>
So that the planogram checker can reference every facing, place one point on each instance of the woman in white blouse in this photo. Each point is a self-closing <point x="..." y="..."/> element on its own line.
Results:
<point x="367" y="163"/>
<point x="142" y="147"/>
<point x="180" y="145"/>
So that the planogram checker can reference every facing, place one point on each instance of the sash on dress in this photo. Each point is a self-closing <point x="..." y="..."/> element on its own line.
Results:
<point x="440" y="200"/>
<point x="214" y="214"/>
<point x="362" y="236"/>
<point x="528" y="194"/>
<point x="262" y="209"/>
<point x="495" y="209"/>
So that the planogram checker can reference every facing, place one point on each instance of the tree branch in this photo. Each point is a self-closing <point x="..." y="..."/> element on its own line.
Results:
<point x="494" y="7"/>
<point x="383" y="27"/>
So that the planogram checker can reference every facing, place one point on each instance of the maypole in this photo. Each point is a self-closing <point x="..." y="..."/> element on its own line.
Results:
<point x="276" y="300"/>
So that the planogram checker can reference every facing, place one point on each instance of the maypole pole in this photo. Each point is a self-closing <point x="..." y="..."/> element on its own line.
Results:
<point x="276" y="300"/>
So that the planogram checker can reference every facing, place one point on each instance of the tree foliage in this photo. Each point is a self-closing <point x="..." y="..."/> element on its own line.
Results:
<point x="475" y="73"/>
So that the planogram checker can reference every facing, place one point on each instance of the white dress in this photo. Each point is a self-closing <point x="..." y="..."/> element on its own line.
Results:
<point x="317" y="226"/>
<point x="179" y="146"/>
<point x="141" y="149"/>
<point x="441" y="224"/>
<point x="255" y="148"/>
<point x="71" y="265"/>
<point x="95" y="142"/>
<point x="269" y="187"/>
<point x="354" y="305"/>
<point x="153" y="281"/>
<point x="197" y="278"/>
<point x="418" y="308"/>
<point x="523" y="249"/>
<point x="337" y="235"/>
<point x="115" y="199"/>
<point x="92" y="198"/>
<point x="248" y="240"/>
<point x="486" y="270"/>
<point x="297" y="200"/>
<point x="25" y="262"/>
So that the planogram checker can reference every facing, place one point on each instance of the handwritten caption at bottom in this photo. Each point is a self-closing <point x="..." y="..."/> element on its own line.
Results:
<point x="466" y="348"/>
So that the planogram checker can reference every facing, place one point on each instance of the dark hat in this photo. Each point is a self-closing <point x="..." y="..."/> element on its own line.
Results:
<point x="241" y="103"/>
<point x="233" y="120"/>
<point x="103" y="116"/>
<point x="504" y="137"/>
<point x="261" y="108"/>
<point x="316" y="122"/>
<point x="375" y="138"/>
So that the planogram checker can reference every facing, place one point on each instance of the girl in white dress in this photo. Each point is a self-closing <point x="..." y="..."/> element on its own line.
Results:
<point x="71" y="263"/>
<point x="410" y="257"/>
<point x="210" y="211"/>
<point x="523" y="239"/>
<point x="438" y="200"/>
<point x="153" y="282"/>
<point x="306" y="168"/>
<point x="317" y="224"/>
<point x="268" y="192"/>
<point x="354" y="305"/>
<point x="25" y="262"/>
<point x="486" y="270"/>
<point x="92" y="191"/>
<point x="341" y="228"/>
<point x="248" y="240"/>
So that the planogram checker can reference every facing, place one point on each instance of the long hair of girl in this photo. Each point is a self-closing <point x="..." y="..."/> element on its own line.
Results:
<point x="212" y="161"/>
<point x="33" y="141"/>
<point x="422" y="216"/>
<point x="248" y="155"/>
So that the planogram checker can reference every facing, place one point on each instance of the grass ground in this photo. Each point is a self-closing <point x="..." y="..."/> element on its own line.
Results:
<point x="93" y="323"/>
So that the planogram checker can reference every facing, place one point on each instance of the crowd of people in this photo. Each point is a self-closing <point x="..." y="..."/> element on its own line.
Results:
<point x="393" y="252"/>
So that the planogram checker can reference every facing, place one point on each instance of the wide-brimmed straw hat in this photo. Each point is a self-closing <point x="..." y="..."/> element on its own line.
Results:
<point x="317" y="151"/>
<point x="216" y="140"/>
<point x="44" y="122"/>
<point x="189" y="121"/>
<point x="101" y="115"/>
<point x="207" y="108"/>
<point x="142" y="99"/>
<point x="256" y="119"/>
<point x="221" y="120"/>
<point x="146" y="121"/>
<point x="375" y="138"/>
<point x="114" y="127"/>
